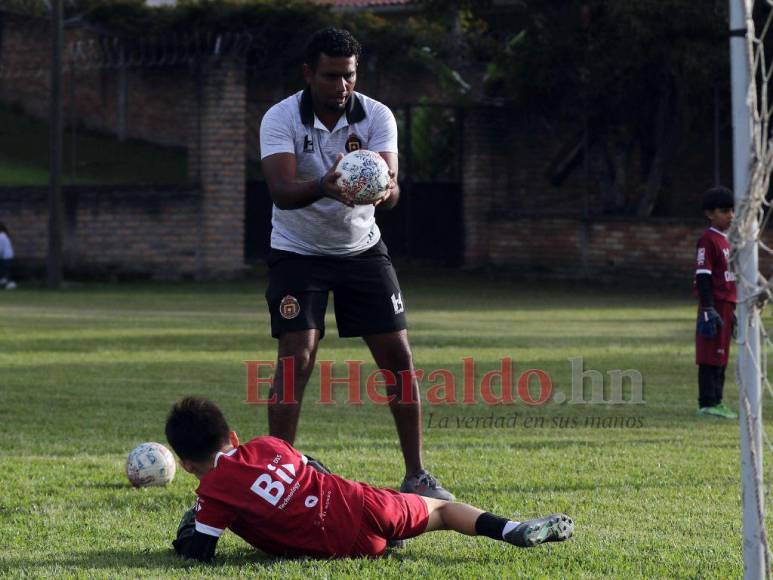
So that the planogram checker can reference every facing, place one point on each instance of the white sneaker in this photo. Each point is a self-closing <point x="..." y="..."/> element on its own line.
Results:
<point x="10" y="285"/>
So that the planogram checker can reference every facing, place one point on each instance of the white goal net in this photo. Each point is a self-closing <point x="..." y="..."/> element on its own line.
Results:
<point x="751" y="22"/>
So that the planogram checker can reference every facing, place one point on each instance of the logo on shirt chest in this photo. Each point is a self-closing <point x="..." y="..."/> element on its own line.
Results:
<point x="272" y="490"/>
<point x="308" y="144"/>
<point x="353" y="143"/>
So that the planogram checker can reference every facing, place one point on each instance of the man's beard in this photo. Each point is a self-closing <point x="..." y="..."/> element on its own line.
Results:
<point x="335" y="107"/>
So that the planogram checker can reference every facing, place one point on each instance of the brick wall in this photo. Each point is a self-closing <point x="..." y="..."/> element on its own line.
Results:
<point x="157" y="232"/>
<point x="484" y="176"/>
<point x="25" y="58"/>
<point x="123" y="230"/>
<point x="602" y="248"/>
<point x="222" y="172"/>
<point x="514" y="216"/>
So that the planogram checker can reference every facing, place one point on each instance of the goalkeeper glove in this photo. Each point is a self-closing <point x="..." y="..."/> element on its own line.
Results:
<point x="318" y="465"/>
<point x="185" y="530"/>
<point x="193" y="545"/>
<point x="709" y="322"/>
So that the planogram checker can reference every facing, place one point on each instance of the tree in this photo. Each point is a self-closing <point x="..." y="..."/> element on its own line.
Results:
<point x="636" y="76"/>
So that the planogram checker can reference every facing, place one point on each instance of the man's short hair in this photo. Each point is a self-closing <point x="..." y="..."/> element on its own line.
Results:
<point x="196" y="429"/>
<point x="334" y="42"/>
<point x="718" y="198"/>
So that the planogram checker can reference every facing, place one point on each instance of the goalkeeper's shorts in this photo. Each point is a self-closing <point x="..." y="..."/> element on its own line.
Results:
<point x="716" y="351"/>
<point x="388" y="515"/>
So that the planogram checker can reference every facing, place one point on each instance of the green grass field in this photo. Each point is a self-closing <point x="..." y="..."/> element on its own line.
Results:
<point x="88" y="373"/>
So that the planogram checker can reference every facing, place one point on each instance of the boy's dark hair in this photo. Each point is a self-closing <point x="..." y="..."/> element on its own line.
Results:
<point x="333" y="42"/>
<point x="196" y="429"/>
<point x="718" y="198"/>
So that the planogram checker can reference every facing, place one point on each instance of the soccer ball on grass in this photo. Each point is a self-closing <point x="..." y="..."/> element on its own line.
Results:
<point x="150" y="465"/>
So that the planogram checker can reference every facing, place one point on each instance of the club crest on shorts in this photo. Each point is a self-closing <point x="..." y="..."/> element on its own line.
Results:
<point x="353" y="143"/>
<point x="289" y="307"/>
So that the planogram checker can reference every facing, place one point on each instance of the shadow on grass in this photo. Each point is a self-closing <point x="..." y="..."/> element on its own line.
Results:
<point x="105" y="485"/>
<point x="147" y="559"/>
<point x="163" y="560"/>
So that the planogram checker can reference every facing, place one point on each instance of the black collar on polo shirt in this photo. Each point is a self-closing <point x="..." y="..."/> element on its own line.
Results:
<point x="355" y="111"/>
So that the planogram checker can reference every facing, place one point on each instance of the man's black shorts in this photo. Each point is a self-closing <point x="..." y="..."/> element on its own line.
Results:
<point x="365" y="290"/>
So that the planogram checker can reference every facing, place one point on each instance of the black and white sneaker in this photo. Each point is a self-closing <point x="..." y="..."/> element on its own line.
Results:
<point x="552" y="528"/>
<point x="423" y="483"/>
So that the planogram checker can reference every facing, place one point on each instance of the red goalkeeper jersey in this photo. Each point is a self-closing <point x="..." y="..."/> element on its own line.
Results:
<point x="264" y="492"/>
<point x="713" y="258"/>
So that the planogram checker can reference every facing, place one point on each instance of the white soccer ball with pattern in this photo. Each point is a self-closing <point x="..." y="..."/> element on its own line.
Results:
<point x="150" y="465"/>
<point x="364" y="175"/>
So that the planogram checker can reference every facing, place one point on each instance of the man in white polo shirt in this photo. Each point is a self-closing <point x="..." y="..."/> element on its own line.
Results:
<point x="322" y="241"/>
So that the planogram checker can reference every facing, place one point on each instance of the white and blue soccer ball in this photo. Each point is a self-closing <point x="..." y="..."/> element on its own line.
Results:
<point x="150" y="465"/>
<point x="364" y="175"/>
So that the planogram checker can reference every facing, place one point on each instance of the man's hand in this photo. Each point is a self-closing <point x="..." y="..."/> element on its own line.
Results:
<point x="389" y="191"/>
<point x="328" y="184"/>
<point x="709" y="322"/>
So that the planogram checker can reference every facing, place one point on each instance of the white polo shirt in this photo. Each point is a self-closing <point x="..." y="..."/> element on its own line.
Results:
<point x="6" y="248"/>
<point x="326" y="227"/>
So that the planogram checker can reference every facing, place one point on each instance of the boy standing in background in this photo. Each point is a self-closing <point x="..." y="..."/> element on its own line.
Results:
<point x="715" y="288"/>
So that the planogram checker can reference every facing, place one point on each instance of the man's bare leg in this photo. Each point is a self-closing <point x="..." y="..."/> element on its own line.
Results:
<point x="392" y="352"/>
<point x="283" y="415"/>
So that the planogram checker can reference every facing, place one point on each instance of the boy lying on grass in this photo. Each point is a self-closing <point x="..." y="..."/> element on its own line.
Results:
<point x="283" y="503"/>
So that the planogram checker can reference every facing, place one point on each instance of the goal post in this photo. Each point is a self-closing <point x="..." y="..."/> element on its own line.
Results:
<point x="751" y="176"/>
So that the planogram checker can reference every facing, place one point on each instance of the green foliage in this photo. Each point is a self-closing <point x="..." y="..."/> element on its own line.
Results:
<point x="133" y="17"/>
<point x="30" y="7"/>
<point x="434" y="142"/>
<point x="278" y="28"/>
<point x="613" y="57"/>
<point x="637" y="76"/>
<point x="596" y="57"/>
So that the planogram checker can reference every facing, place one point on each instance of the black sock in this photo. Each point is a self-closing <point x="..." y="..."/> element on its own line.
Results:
<point x="707" y="389"/>
<point x="490" y="525"/>
<point x="719" y="384"/>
